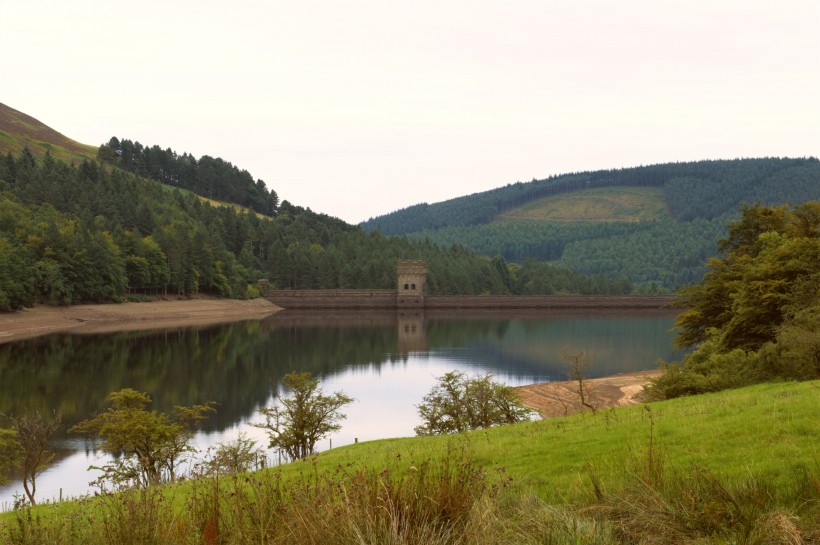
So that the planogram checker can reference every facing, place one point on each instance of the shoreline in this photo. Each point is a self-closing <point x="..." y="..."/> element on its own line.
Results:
<point x="554" y="399"/>
<point x="112" y="317"/>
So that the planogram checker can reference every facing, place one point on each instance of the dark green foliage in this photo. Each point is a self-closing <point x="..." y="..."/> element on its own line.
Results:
<point x="210" y="177"/>
<point x="11" y="453"/>
<point x="756" y="314"/>
<point x="535" y="277"/>
<point x="17" y="288"/>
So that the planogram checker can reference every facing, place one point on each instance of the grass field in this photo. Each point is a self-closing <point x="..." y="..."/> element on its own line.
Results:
<point x="739" y="466"/>
<point x="630" y="204"/>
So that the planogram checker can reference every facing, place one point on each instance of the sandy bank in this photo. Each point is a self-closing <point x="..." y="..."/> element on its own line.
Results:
<point x="553" y="399"/>
<point x="42" y="320"/>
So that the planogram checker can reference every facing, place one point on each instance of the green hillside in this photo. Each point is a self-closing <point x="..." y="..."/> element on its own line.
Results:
<point x="695" y="190"/>
<point x="654" y="226"/>
<point x="18" y="131"/>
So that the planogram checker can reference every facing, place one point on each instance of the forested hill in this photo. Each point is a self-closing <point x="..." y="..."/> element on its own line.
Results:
<point x="210" y="177"/>
<point x="655" y="226"/>
<point x="703" y="189"/>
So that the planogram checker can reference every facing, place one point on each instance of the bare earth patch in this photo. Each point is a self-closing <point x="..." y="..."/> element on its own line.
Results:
<point x="42" y="320"/>
<point x="553" y="399"/>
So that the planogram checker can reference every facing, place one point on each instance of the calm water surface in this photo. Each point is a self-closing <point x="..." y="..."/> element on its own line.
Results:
<point x="386" y="362"/>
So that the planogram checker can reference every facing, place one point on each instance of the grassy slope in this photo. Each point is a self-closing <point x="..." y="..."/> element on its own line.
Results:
<point x="628" y="204"/>
<point x="769" y="430"/>
<point x="18" y="130"/>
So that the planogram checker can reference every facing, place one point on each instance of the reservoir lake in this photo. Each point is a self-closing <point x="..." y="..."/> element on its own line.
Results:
<point x="386" y="361"/>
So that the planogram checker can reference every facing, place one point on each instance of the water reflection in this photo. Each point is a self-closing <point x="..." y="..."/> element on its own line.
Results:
<point x="387" y="361"/>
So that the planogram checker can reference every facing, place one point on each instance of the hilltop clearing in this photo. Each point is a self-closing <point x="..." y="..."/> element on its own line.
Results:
<point x="627" y="204"/>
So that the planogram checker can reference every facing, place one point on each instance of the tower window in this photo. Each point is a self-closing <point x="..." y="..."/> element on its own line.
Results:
<point x="406" y="287"/>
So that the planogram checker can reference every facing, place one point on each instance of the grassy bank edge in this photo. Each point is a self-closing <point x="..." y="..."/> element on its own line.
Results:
<point x="767" y="432"/>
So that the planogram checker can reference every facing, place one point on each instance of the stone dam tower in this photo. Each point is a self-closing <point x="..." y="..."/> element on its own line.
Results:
<point x="411" y="283"/>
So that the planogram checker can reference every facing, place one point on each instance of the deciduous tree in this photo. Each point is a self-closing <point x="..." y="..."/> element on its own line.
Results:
<point x="295" y="423"/>
<point x="458" y="403"/>
<point x="155" y="441"/>
<point x="33" y="432"/>
<point x="753" y="318"/>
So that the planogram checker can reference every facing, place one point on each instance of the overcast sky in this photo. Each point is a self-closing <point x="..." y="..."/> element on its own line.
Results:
<point x="357" y="108"/>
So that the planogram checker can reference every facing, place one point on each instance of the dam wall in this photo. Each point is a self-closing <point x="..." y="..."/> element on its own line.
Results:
<point x="332" y="299"/>
<point x="392" y="299"/>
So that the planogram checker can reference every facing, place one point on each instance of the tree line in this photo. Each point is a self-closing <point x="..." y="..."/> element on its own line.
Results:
<point x="90" y="233"/>
<point x="210" y="177"/>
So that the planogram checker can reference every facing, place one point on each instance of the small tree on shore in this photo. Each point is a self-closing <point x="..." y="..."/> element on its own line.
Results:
<point x="458" y="403"/>
<point x="578" y="364"/>
<point x="294" y="424"/>
<point x="237" y="456"/>
<point x="32" y="433"/>
<point x="152" y="442"/>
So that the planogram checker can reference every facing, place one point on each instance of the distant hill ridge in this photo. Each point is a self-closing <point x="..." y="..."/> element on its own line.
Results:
<point x="654" y="226"/>
<point x="702" y="189"/>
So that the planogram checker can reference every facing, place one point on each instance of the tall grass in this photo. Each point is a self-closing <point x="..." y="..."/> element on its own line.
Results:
<point x="444" y="491"/>
<point x="448" y="501"/>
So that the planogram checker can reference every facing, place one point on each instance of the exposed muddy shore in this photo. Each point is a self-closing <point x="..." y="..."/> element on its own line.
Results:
<point x="42" y="320"/>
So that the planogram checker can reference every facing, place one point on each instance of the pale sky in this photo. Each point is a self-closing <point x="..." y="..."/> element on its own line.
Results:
<point x="357" y="108"/>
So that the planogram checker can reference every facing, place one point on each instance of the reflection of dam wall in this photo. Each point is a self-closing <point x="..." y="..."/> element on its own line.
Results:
<point x="389" y="299"/>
